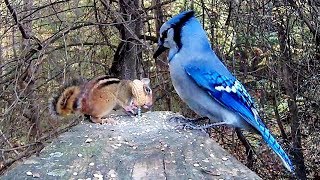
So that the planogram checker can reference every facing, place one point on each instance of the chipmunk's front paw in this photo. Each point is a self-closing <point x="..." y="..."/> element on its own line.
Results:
<point x="131" y="109"/>
<point x="106" y="120"/>
<point x="109" y="121"/>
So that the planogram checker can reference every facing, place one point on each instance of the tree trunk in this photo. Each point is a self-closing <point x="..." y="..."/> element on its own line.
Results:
<point x="285" y="63"/>
<point x="128" y="55"/>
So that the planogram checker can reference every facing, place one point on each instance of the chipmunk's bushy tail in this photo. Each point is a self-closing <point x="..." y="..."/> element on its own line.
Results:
<point x="64" y="102"/>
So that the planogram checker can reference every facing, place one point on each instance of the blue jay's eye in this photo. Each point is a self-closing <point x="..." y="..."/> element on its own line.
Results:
<point x="163" y="35"/>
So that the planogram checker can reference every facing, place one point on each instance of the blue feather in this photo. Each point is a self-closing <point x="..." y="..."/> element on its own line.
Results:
<point x="237" y="100"/>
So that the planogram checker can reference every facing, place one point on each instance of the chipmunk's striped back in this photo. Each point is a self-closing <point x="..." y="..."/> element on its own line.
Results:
<point x="96" y="83"/>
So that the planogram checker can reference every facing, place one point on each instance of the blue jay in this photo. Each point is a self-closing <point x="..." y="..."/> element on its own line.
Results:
<point x="205" y="84"/>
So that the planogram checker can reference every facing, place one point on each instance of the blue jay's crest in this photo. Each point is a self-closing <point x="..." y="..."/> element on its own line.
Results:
<point x="177" y="22"/>
<point x="180" y="19"/>
<point x="171" y="31"/>
<point x="196" y="69"/>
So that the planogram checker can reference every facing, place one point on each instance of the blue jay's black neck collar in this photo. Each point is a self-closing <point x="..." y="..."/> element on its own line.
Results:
<point x="178" y="27"/>
<point x="176" y="23"/>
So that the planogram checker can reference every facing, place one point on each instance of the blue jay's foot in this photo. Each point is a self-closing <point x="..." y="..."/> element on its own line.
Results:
<point x="207" y="126"/>
<point x="193" y="124"/>
<point x="204" y="128"/>
<point x="181" y="119"/>
<point x="185" y="123"/>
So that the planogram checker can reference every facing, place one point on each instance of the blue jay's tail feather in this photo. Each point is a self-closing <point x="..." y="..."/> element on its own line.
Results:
<point x="275" y="146"/>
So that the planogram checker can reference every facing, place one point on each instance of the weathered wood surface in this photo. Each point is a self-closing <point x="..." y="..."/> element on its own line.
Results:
<point x="149" y="148"/>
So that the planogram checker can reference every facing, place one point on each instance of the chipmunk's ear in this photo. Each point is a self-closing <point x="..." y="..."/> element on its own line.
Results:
<point x="146" y="81"/>
<point x="146" y="85"/>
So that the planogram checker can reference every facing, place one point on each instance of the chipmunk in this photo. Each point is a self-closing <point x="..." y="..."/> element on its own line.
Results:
<point x="99" y="96"/>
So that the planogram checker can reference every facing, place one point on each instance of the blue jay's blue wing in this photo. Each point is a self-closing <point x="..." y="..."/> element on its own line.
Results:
<point x="231" y="94"/>
<point x="228" y="91"/>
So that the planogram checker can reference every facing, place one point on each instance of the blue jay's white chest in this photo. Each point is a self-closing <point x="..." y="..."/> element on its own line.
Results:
<point x="179" y="78"/>
<point x="183" y="84"/>
<point x="198" y="100"/>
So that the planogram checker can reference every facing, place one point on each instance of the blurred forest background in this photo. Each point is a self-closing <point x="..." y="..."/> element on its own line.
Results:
<point x="273" y="47"/>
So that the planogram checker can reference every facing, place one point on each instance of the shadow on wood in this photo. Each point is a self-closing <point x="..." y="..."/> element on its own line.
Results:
<point x="146" y="148"/>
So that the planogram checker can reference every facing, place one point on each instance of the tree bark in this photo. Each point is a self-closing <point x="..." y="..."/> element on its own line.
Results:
<point x="285" y="63"/>
<point x="128" y="55"/>
<point x="277" y="115"/>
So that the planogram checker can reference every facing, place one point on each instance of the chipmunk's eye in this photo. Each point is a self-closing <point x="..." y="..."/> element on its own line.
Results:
<point x="148" y="90"/>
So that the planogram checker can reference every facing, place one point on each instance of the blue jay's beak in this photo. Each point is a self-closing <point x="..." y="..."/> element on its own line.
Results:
<point x="159" y="51"/>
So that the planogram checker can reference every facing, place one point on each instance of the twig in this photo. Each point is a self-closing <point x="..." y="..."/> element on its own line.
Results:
<point x="158" y="5"/>
<point x="247" y="145"/>
<point x="313" y="30"/>
<point x="24" y="34"/>
<point x="19" y="147"/>
<point x="39" y="145"/>
<point x="5" y="138"/>
<point x="25" y="153"/>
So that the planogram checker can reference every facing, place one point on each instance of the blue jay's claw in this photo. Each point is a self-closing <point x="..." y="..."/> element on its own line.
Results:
<point x="190" y="126"/>
<point x="207" y="126"/>
<point x="193" y="124"/>
<point x="179" y="119"/>
<point x="186" y="123"/>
